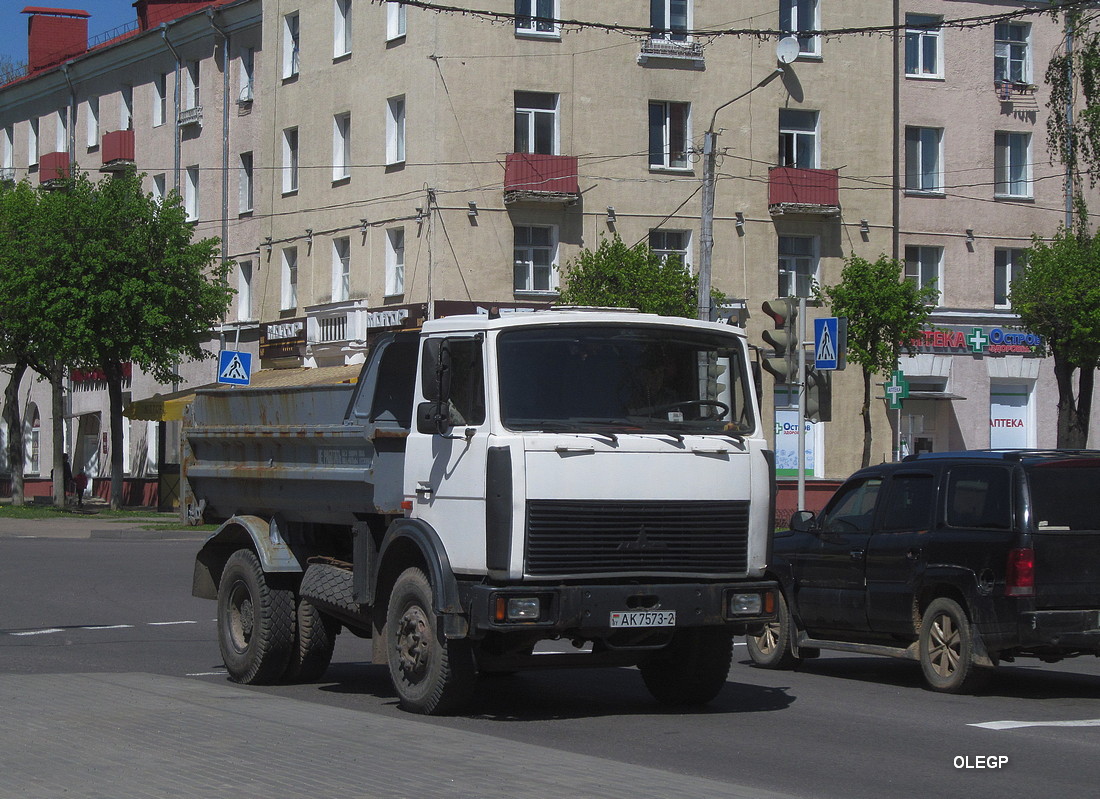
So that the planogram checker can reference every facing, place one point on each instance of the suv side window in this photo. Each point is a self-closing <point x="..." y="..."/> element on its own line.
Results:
<point x="979" y="497"/>
<point x="909" y="503"/>
<point x="853" y="509"/>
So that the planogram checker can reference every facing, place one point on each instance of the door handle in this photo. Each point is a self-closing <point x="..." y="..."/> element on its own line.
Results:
<point x="856" y="554"/>
<point x="912" y="554"/>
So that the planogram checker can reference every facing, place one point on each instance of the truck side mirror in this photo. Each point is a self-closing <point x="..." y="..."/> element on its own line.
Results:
<point x="437" y="370"/>
<point x="432" y="417"/>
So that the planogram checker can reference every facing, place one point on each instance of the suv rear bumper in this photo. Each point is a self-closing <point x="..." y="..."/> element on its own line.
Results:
<point x="1069" y="629"/>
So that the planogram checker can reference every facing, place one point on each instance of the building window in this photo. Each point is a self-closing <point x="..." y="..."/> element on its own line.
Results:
<point x="126" y="108"/>
<point x="923" y="170"/>
<point x="191" y="194"/>
<point x="244" y="291"/>
<point x="395" y="21"/>
<point x="534" y="258"/>
<point x="7" y="150"/>
<point x="797" y="265"/>
<point x="341" y="269"/>
<point x="92" y="127"/>
<point x="668" y="19"/>
<point x="33" y="441"/>
<point x="668" y="135"/>
<point x="160" y="187"/>
<point x="341" y="28"/>
<point x="191" y="85"/>
<point x="245" y="71"/>
<point x="290" y="279"/>
<point x="245" y="183"/>
<point x="341" y="146"/>
<point x="290" y="160"/>
<point x="1011" y="52"/>
<point x="32" y="142"/>
<point x="1007" y="265"/>
<point x="800" y="15"/>
<point x="922" y="265"/>
<point x="160" y="99"/>
<point x="798" y="138"/>
<point x="395" y="261"/>
<point x="1012" y="164"/>
<point x="670" y="244"/>
<point x="923" y="51"/>
<point x="395" y="130"/>
<point x="61" y="132"/>
<point x="291" y="36"/>
<point x="536" y="123"/>
<point x="535" y="17"/>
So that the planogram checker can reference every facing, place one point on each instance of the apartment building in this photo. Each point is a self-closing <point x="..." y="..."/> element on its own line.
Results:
<point x="368" y="165"/>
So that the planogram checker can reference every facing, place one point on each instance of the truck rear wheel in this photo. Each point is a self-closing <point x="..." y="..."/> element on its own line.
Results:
<point x="314" y="642"/>
<point x="431" y="675"/>
<point x="691" y="670"/>
<point x="255" y="622"/>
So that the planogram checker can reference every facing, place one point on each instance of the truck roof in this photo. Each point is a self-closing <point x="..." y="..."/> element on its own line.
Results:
<point x="571" y="316"/>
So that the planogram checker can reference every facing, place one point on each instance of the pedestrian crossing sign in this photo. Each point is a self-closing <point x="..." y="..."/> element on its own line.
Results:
<point x="830" y="335"/>
<point x="235" y="368"/>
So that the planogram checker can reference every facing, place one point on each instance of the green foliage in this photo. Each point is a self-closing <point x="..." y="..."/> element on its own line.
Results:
<point x="618" y="276"/>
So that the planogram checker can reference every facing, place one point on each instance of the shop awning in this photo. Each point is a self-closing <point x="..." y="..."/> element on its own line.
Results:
<point x="169" y="407"/>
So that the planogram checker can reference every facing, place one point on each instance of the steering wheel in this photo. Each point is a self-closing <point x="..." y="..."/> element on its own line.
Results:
<point x="723" y="408"/>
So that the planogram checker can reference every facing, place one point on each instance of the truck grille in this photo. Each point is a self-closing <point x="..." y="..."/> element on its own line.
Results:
<point x="590" y="537"/>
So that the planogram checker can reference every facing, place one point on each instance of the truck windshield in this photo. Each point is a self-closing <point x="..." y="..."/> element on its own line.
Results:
<point x="609" y="378"/>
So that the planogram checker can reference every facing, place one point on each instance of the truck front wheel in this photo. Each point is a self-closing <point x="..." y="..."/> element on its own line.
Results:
<point x="255" y="622"/>
<point x="691" y="670"/>
<point x="431" y="675"/>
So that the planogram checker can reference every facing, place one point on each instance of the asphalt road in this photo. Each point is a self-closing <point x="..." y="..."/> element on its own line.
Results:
<point x="841" y="726"/>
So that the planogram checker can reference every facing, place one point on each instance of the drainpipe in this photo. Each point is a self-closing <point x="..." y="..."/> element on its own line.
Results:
<point x="175" y="111"/>
<point x="72" y="115"/>
<point x="225" y="131"/>
<point x="895" y="138"/>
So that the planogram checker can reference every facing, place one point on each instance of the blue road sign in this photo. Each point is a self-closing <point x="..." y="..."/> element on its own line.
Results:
<point x="235" y="368"/>
<point x="827" y="343"/>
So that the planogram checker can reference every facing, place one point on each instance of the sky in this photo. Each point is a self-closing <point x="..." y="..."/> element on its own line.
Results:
<point x="106" y="14"/>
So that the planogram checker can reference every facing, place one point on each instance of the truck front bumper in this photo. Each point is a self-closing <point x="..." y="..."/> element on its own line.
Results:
<point x="596" y="610"/>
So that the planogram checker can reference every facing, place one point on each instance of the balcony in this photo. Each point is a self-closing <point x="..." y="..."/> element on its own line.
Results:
<point x="1014" y="90"/>
<point x="190" y="116"/>
<point x="7" y="174"/>
<point x="534" y="177"/>
<point x="117" y="150"/>
<point x="687" y="53"/>
<point x="813" y="192"/>
<point x="53" y="167"/>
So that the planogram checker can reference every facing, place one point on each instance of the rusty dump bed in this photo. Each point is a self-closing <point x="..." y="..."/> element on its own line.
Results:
<point x="301" y="452"/>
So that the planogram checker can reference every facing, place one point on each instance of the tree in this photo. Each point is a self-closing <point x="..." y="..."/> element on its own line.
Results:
<point x="619" y="276"/>
<point x="884" y="312"/>
<point x="1057" y="296"/>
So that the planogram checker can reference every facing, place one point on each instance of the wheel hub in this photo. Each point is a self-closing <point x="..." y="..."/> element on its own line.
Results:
<point x="413" y="642"/>
<point x="242" y="618"/>
<point x="944" y="651"/>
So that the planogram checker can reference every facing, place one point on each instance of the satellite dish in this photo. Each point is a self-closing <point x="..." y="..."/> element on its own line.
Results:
<point x="787" y="49"/>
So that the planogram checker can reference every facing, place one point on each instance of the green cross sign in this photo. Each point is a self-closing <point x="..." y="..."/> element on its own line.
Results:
<point x="897" y="389"/>
<point x="978" y="339"/>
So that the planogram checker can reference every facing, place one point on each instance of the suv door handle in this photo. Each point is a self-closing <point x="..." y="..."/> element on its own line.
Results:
<point x="856" y="554"/>
<point x="912" y="554"/>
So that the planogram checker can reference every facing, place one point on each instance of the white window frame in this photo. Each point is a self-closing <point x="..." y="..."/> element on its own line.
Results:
<point x="191" y="193"/>
<point x="244" y="291"/>
<point x="32" y="142"/>
<point x="395" y="130"/>
<point x="530" y="111"/>
<point x="917" y="42"/>
<point x="923" y="264"/>
<point x="246" y="184"/>
<point x="527" y="25"/>
<point x="245" y="68"/>
<point x="191" y="96"/>
<point x="91" y="122"/>
<point x="292" y="37"/>
<point x="395" y="261"/>
<point x="7" y="151"/>
<point x="341" y="268"/>
<point x="160" y="99"/>
<point x="665" y="128"/>
<point x="290" y="160"/>
<point x="1011" y="55"/>
<point x="396" y="21"/>
<point x="61" y="131"/>
<point x="659" y="242"/>
<point x="126" y="107"/>
<point x="525" y="277"/>
<point x="341" y="28"/>
<point x="798" y="268"/>
<point x="1008" y="262"/>
<point x="289" y="278"/>
<point x="341" y="146"/>
<point x="924" y="160"/>
<point x="159" y="186"/>
<point x="33" y="440"/>
<point x="660" y="20"/>
<point x="796" y="138"/>
<point x="1012" y="165"/>
<point x="796" y="15"/>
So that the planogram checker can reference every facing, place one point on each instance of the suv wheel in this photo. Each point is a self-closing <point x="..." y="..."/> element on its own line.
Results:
<point x="772" y="648"/>
<point x="947" y="648"/>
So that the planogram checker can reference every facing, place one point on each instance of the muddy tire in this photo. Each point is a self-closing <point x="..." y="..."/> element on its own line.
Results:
<point x="431" y="675"/>
<point x="692" y="670"/>
<point x="314" y="641"/>
<point x="947" y="649"/>
<point x="772" y="648"/>
<point x="255" y="622"/>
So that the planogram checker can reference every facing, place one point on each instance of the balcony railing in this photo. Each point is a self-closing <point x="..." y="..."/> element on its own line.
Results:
<point x="541" y="178"/>
<point x="656" y="49"/>
<point x="117" y="150"/>
<point x="190" y="116"/>
<point x="7" y="174"/>
<point x="53" y="166"/>
<point x="803" y="191"/>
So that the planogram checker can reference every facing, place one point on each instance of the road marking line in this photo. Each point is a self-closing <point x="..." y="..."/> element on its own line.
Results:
<point x="1014" y="725"/>
<point x="108" y="627"/>
<point x="207" y="674"/>
<point x="169" y="623"/>
<point x="40" y="632"/>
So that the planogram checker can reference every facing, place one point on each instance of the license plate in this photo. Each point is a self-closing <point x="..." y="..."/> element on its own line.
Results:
<point x="643" y="618"/>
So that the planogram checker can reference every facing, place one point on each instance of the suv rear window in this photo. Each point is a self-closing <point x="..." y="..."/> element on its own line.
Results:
<point x="1065" y="496"/>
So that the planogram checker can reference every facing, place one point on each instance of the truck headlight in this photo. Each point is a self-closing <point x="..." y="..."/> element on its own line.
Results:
<point x="746" y="604"/>
<point x="517" y="608"/>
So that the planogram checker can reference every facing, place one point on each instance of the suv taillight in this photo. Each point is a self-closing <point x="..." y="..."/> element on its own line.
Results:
<point x="1020" y="574"/>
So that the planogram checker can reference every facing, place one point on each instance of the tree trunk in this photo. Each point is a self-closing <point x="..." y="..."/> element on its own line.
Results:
<point x="57" y="405"/>
<point x="1073" y="413"/>
<point x="16" y="449"/>
<point x="866" y="412"/>
<point x="113" y="371"/>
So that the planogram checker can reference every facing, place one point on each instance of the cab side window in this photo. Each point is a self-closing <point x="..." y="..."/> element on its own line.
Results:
<point x="979" y="497"/>
<point x="853" y="509"/>
<point x="909" y="503"/>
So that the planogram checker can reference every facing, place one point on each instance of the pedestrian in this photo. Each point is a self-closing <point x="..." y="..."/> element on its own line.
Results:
<point x="80" y="482"/>
<point x="67" y="472"/>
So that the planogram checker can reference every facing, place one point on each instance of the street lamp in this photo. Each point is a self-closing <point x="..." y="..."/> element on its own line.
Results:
<point x="786" y="51"/>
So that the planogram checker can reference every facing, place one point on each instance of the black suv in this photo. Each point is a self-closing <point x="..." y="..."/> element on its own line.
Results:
<point x="957" y="559"/>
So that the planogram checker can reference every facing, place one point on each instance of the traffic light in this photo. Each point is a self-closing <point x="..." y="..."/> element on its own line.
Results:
<point x="783" y="340"/>
<point x="819" y="395"/>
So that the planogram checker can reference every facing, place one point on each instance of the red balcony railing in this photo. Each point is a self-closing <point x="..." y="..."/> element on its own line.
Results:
<point x="53" y="166"/>
<point x="807" y="191"/>
<point x="117" y="149"/>
<point x="541" y="177"/>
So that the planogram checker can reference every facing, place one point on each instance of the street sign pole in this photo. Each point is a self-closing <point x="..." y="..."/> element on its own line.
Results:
<point x="802" y="398"/>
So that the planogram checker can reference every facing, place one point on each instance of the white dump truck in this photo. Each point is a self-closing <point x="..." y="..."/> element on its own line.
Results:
<point x="574" y="487"/>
